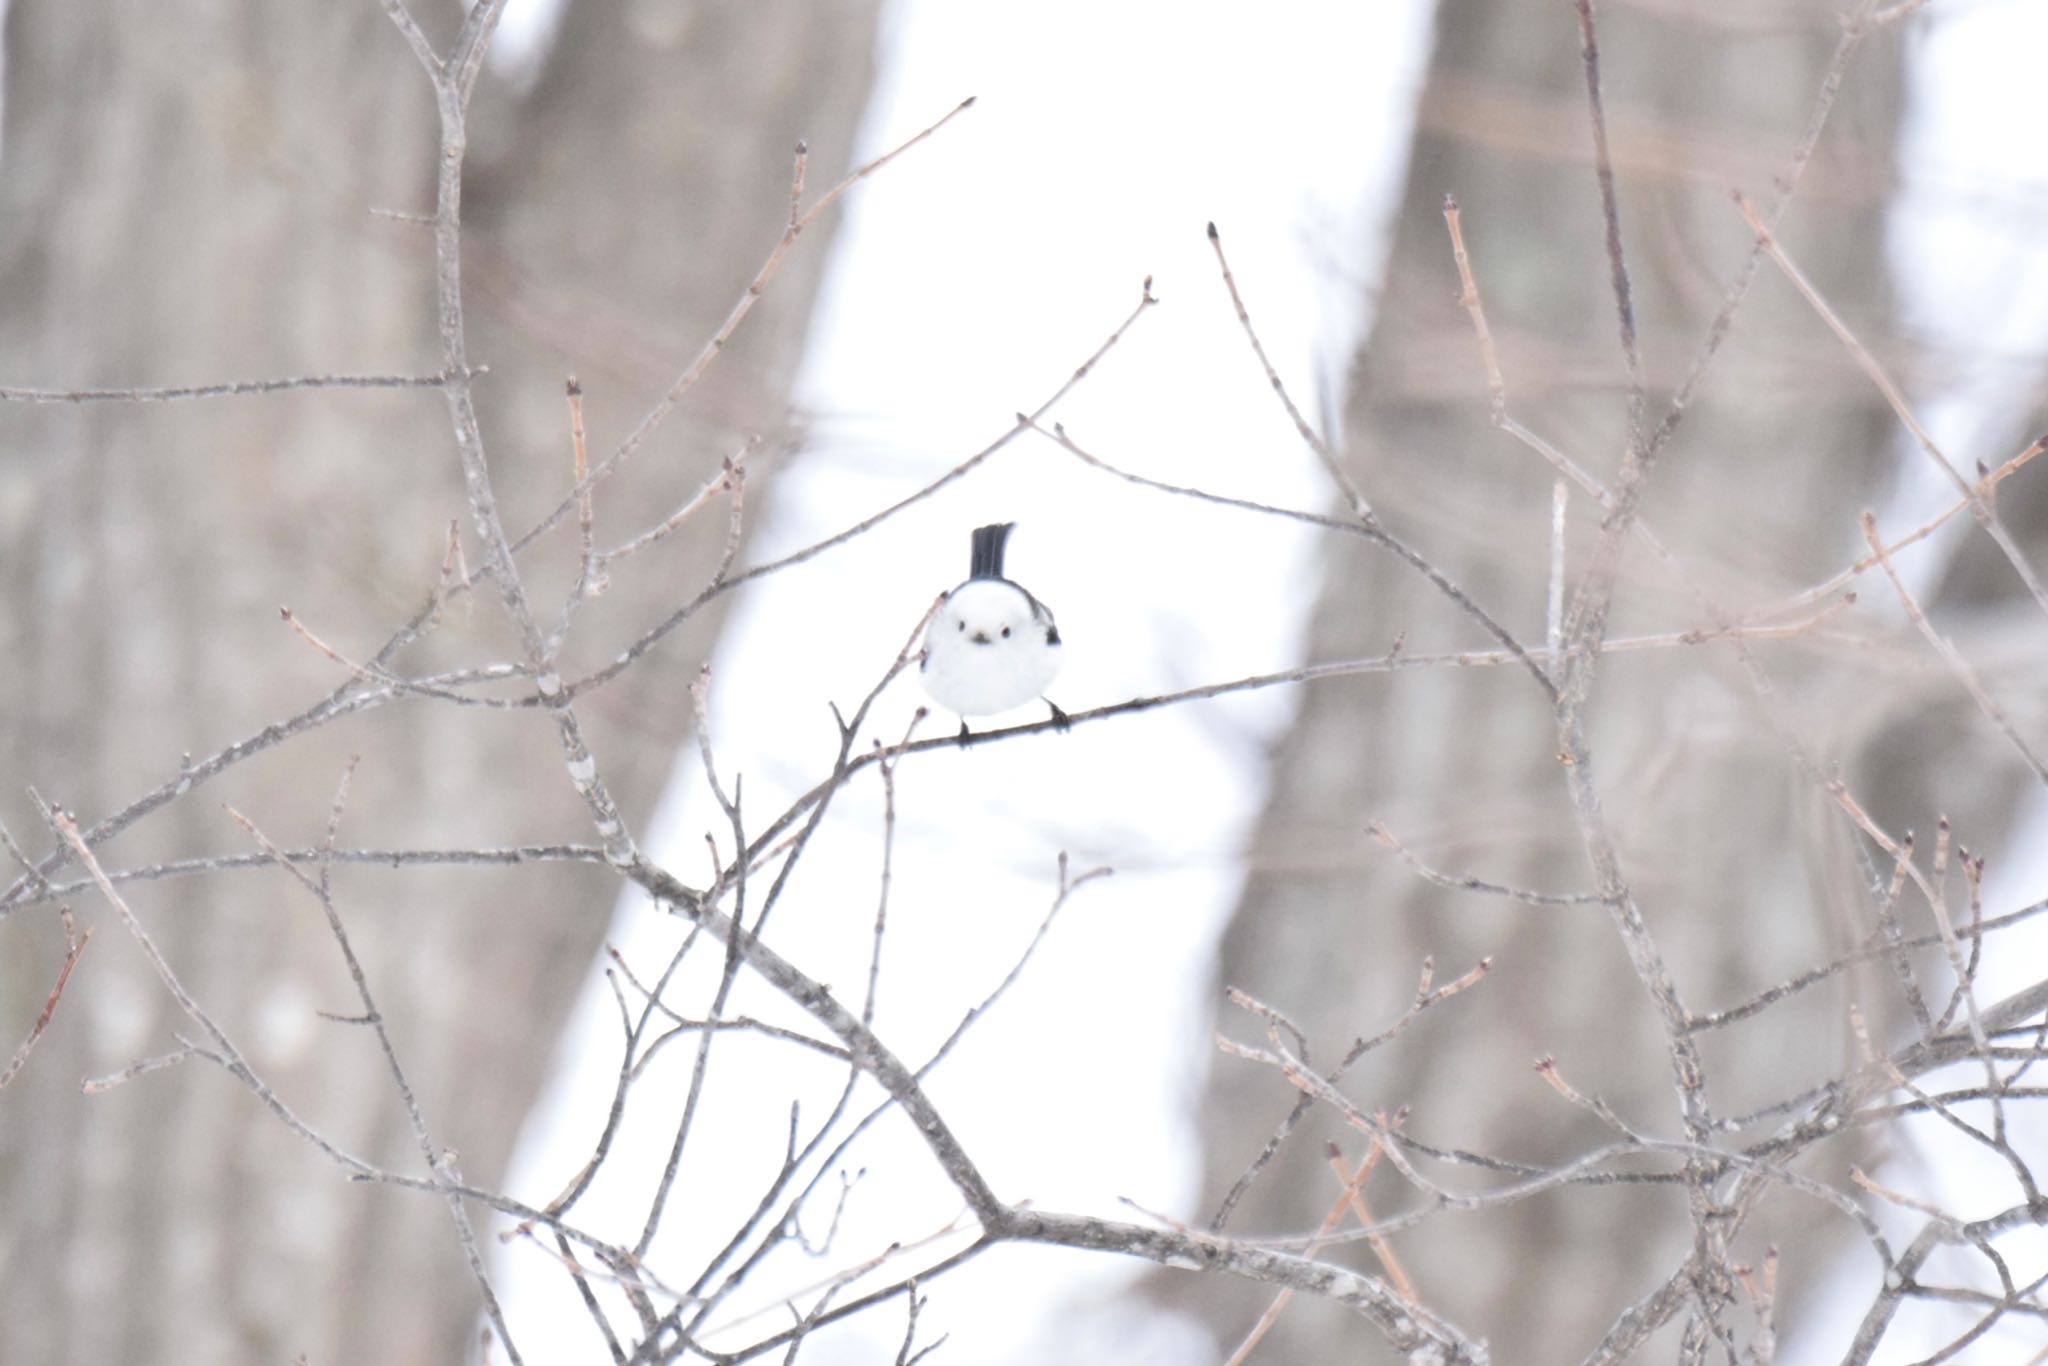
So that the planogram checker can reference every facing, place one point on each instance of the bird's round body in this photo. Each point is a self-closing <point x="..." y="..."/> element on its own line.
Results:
<point x="991" y="647"/>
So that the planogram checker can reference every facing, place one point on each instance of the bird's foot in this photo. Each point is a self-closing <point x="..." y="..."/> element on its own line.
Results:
<point x="1059" y="718"/>
<point x="965" y="735"/>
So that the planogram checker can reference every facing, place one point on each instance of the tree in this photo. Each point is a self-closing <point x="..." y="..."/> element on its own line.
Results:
<point x="1668" y="827"/>
<point x="194" y="197"/>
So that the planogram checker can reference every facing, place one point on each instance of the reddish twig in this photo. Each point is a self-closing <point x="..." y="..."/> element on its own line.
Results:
<point x="75" y="945"/>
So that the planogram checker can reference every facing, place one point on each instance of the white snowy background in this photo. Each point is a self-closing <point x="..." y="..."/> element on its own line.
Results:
<point x="967" y="282"/>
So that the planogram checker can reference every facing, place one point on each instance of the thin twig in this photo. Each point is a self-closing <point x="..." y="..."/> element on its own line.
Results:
<point x="1984" y="487"/>
<point x="439" y="1162"/>
<point x="1947" y="650"/>
<point x="731" y="477"/>
<point x="74" y="946"/>
<point x="1467" y="883"/>
<point x="1427" y="994"/>
<point x="1610" y="215"/>
<point x="712" y="348"/>
<point x="1349" y="1183"/>
<point x="1334" y="467"/>
<point x="1546" y="1068"/>
<point x="233" y="389"/>
<point x="1553" y="605"/>
<point x="588" y="577"/>
<point x="1981" y="506"/>
<point x="714" y="1012"/>
<point x="1885" y="943"/>
<point x="1364" y="528"/>
<point x="388" y="858"/>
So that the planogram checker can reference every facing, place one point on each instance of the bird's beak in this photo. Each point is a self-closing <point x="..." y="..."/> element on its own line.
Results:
<point x="979" y="637"/>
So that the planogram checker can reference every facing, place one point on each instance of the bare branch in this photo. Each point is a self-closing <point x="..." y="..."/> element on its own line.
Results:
<point x="1948" y="652"/>
<point x="230" y="389"/>
<point x="694" y="371"/>
<point x="1334" y="467"/>
<point x="74" y="946"/>
<point x="438" y="1162"/>
<point x="1981" y="506"/>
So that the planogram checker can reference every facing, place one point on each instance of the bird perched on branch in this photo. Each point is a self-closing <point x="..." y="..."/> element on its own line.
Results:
<point x="992" y="645"/>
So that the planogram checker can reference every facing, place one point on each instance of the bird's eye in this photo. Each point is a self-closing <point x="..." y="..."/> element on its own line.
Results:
<point x="1006" y="633"/>
<point x="963" y="623"/>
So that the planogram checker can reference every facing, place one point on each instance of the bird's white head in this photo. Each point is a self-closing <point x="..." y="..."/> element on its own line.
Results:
<point x="989" y="611"/>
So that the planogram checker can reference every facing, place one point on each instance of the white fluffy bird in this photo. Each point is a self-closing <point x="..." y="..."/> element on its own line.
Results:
<point x="992" y="645"/>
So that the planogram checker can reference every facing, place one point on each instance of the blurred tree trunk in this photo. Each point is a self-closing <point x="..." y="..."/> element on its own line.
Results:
<point x="189" y="198"/>
<point x="1757" y="495"/>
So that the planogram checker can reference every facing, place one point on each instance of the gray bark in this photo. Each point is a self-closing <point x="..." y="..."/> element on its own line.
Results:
<point x="187" y="199"/>
<point x="1745" y="871"/>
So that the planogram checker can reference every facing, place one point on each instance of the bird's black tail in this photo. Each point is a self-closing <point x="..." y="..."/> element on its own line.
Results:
<point x="988" y="550"/>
